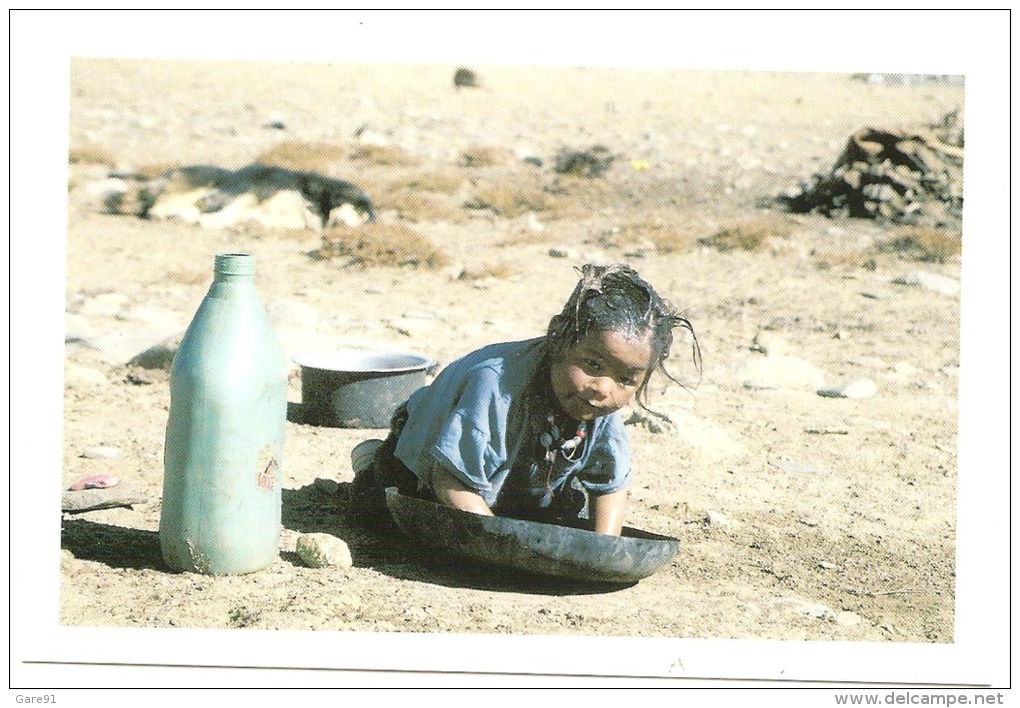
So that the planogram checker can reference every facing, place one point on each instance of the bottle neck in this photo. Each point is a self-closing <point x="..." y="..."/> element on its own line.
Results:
<point x="234" y="268"/>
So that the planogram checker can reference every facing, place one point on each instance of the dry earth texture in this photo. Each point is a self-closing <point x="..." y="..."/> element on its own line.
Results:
<point x="801" y="516"/>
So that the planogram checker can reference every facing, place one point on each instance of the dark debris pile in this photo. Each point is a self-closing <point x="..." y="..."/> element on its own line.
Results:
<point x="904" y="177"/>
<point x="591" y="162"/>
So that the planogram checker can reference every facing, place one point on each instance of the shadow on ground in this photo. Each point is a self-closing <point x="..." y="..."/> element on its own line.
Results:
<point x="384" y="548"/>
<point x="115" y="546"/>
<point x="312" y="510"/>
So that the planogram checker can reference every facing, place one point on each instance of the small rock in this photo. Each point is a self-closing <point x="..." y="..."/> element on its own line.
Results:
<point x="782" y="372"/>
<point x="101" y="452"/>
<point x="466" y="78"/>
<point x="827" y="565"/>
<point x="456" y="271"/>
<point x="158" y="356"/>
<point x="861" y="388"/>
<point x="715" y="518"/>
<point x="930" y="281"/>
<point x="817" y="611"/>
<point x="559" y="252"/>
<point x="827" y="430"/>
<point x="321" y="550"/>
<point x="139" y="377"/>
<point x="769" y="343"/>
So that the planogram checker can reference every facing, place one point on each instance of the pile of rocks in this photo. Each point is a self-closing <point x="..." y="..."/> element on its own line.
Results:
<point x="905" y="177"/>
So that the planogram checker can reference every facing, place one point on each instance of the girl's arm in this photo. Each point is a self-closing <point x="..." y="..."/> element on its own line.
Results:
<point x="608" y="511"/>
<point x="450" y="491"/>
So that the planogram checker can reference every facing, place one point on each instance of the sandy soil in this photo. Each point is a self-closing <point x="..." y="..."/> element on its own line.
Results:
<point x="831" y="518"/>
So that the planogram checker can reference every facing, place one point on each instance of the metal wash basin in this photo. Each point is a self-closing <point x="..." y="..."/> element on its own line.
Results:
<point x="531" y="546"/>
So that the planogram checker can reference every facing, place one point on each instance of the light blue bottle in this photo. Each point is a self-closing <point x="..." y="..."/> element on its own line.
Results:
<point x="224" y="438"/>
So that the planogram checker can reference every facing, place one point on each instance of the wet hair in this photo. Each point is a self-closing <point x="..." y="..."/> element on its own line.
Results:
<point x="615" y="298"/>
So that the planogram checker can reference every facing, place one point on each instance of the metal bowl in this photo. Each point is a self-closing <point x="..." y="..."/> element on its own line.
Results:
<point x="358" y="388"/>
<point x="531" y="546"/>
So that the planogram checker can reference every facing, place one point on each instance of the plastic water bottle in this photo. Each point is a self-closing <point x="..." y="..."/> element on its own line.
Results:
<point x="222" y="472"/>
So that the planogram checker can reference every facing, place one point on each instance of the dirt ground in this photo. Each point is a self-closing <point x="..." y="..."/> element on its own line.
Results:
<point x="800" y="516"/>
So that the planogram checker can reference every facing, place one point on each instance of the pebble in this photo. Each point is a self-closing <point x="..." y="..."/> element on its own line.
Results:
<point x="781" y="372"/>
<point x="159" y="355"/>
<point x="715" y="518"/>
<point x="769" y="343"/>
<point x="321" y="550"/>
<point x="930" y="281"/>
<point x="827" y="430"/>
<point x="861" y="388"/>
<point x="456" y="271"/>
<point x="101" y="452"/>
<point x="559" y="252"/>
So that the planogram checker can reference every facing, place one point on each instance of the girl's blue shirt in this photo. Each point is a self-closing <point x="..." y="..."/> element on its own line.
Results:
<point x="472" y="421"/>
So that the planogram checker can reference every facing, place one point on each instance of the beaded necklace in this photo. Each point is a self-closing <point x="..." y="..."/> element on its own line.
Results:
<point x="552" y="442"/>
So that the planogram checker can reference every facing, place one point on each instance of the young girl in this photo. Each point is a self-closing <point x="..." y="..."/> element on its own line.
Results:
<point x="530" y="429"/>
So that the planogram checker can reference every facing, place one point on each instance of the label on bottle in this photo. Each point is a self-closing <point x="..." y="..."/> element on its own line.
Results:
<point x="266" y="468"/>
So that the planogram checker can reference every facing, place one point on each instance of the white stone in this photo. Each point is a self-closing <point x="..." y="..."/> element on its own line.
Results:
<point x="781" y="371"/>
<point x="861" y="388"/>
<point x="770" y="343"/>
<point x="321" y="550"/>
<point x="930" y="281"/>
<point x="101" y="452"/>
<point x="715" y="518"/>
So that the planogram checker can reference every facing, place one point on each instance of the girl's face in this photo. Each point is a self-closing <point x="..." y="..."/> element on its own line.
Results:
<point x="601" y="373"/>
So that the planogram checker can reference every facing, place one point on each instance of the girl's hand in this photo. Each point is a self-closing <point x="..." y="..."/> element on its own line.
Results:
<point x="450" y="491"/>
<point x="608" y="511"/>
